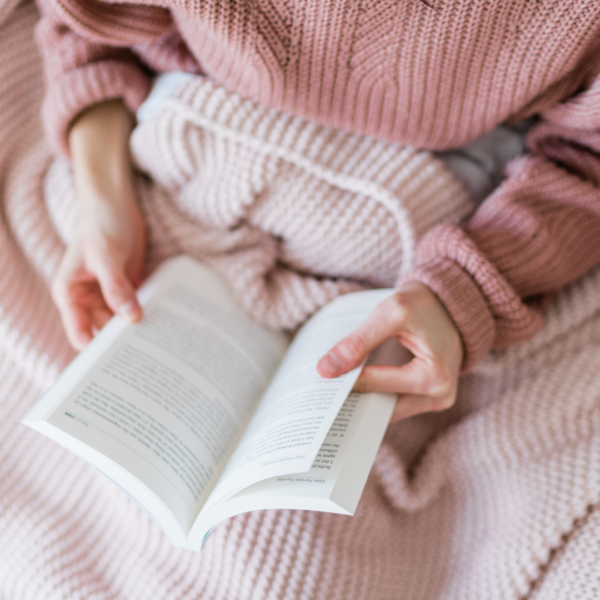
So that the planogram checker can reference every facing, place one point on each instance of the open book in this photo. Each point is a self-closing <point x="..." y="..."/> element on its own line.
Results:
<point x="200" y="414"/>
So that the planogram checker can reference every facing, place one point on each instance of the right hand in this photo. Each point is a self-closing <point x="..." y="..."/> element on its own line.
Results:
<point x="104" y="263"/>
<point x="416" y="317"/>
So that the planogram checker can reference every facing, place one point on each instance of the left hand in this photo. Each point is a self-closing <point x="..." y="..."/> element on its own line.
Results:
<point x="104" y="263"/>
<point x="420" y="322"/>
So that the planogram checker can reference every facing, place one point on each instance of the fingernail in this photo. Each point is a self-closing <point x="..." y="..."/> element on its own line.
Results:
<point x="129" y="311"/>
<point x="330" y="364"/>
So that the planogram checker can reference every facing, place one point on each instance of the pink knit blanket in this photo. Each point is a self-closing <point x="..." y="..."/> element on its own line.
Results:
<point x="496" y="498"/>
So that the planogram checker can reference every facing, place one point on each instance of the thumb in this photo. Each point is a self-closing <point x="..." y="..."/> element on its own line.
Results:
<point x="117" y="289"/>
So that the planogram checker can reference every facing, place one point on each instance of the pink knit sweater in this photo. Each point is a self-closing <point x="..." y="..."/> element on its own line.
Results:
<point x="434" y="74"/>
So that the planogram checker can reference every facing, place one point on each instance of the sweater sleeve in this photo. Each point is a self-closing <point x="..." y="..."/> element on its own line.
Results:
<point x="86" y="62"/>
<point x="537" y="232"/>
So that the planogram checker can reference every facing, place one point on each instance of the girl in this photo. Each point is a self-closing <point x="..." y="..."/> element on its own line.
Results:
<point x="434" y="75"/>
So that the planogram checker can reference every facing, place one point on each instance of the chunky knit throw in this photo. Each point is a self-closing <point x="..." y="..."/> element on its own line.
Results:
<point x="498" y="498"/>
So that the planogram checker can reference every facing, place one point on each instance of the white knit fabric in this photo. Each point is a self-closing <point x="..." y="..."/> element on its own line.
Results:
<point x="497" y="498"/>
<point x="273" y="201"/>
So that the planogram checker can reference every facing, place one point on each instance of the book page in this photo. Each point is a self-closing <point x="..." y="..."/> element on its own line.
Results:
<point x="299" y="407"/>
<point x="339" y="472"/>
<point x="170" y="396"/>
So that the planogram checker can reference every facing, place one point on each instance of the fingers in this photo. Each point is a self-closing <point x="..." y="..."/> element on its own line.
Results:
<point x="117" y="289"/>
<point x="421" y="386"/>
<point x="432" y="378"/>
<point x="77" y="325"/>
<point x="81" y="306"/>
<point x="88" y="296"/>
<point x="420" y="322"/>
<point x="353" y="349"/>
<point x="100" y="317"/>
<point x="75" y="321"/>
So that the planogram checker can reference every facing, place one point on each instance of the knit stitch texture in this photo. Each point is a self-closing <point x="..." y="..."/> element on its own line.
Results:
<point x="291" y="212"/>
<point x="498" y="498"/>
<point x="431" y="74"/>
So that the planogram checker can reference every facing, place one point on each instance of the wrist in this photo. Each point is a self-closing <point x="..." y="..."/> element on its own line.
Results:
<point x="116" y="197"/>
<point x="102" y="214"/>
<point x="463" y="302"/>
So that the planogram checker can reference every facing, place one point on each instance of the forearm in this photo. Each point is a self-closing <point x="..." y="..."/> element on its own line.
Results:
<point x="102" y="168"/>
<point x="104" y="262"/>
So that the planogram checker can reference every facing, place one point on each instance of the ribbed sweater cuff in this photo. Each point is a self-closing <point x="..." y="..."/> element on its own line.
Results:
<point x="463" y="301"/>
<point x="77" y="90"/>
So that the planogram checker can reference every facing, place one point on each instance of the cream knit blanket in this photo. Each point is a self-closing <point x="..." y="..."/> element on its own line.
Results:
<point x="497" y="498"/>
<point x="291" y="212"/>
